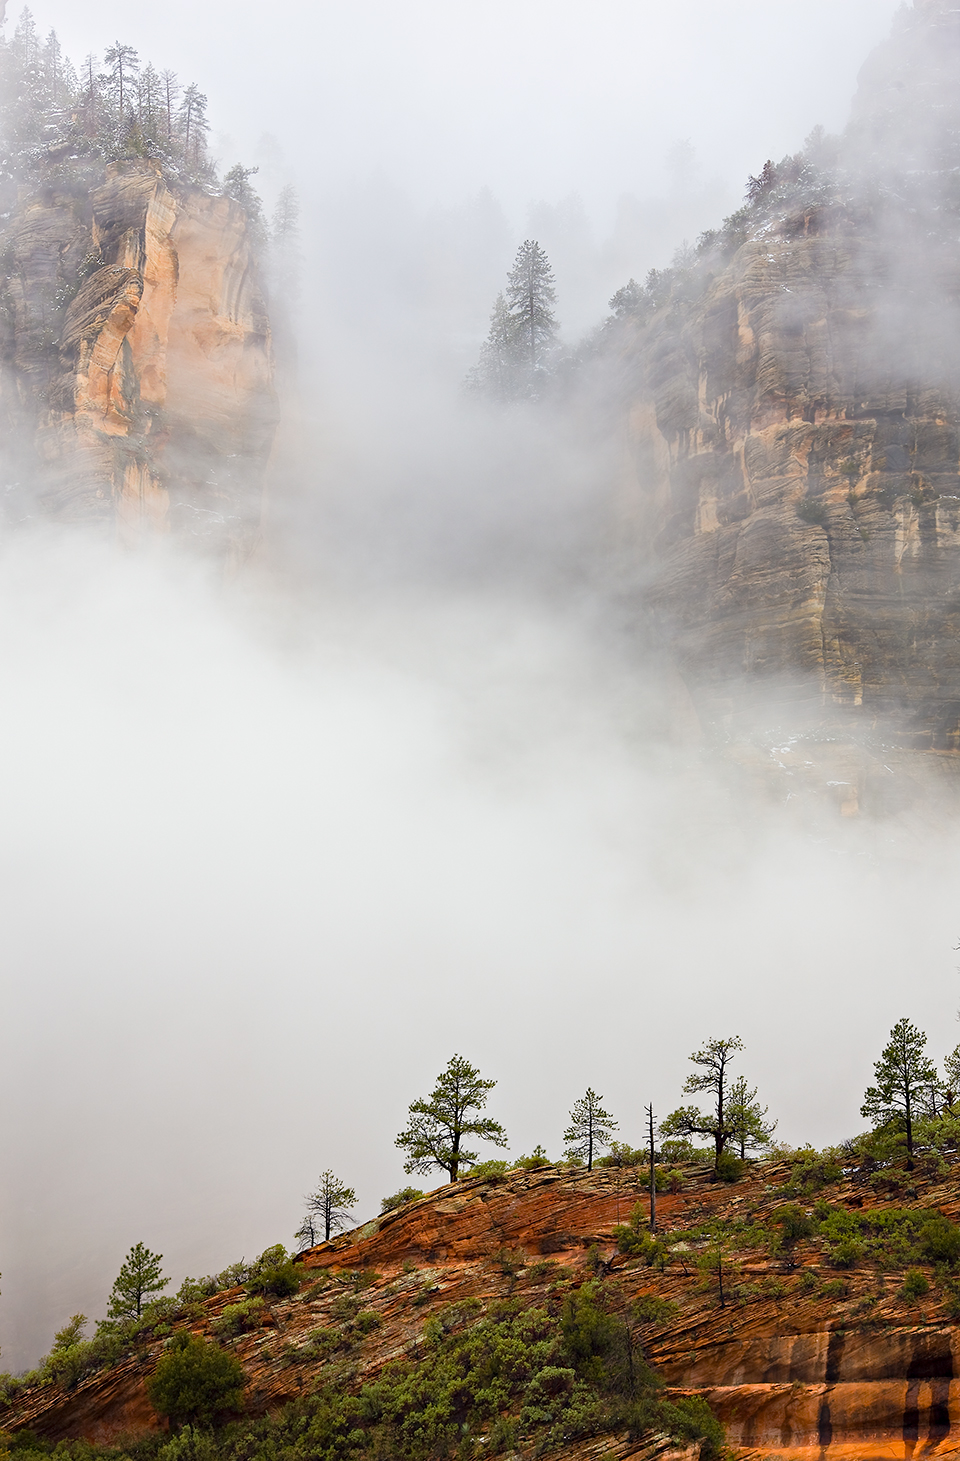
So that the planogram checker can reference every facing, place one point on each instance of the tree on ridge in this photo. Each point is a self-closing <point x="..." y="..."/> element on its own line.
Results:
<point x="590" y="1128"/>
<point x="139" y="1277"/>
<point x="903" y="1075"/>
<point x="439" y="1122"/>
<point x="327" y="1210"/>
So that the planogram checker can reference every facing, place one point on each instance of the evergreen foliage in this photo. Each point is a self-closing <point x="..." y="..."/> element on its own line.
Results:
<point x="590" y="1128"/>
<point x="713" y="1079"/>
<point x="327" y="1209"/>
<point x="139" y="1278"/>
<point x="195" y="1382"/>
<point x="904" y="1076"/>
<point x="439" y="1123"/>
<point x="517" y="356"/>
<point x="750" y="1131"/>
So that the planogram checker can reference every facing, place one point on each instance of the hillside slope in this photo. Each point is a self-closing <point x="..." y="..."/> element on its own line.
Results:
<point x="816" y="1349"/>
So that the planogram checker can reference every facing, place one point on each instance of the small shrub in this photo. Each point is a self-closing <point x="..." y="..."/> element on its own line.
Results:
<point x="834" y="1288"/>
<point x="808" y="1281"/>
<point x="510" y="1260"/>
<point x="406" y="1194"/>
<point x="812" y="510"/>
<point x="322" y="1342"/>
<point x="274" y="1272"/>
<point x="649" y="1309"/>
<point x="236" y="1318"/>
<point x="537" y="1158"/>
<point x="847" y="1253"/>
<point x="729" y="1168"/>
<point x="939" y="1241"/>
<point x="488" y="1171"/>
<point x="621" y="1154"/>
<point x="793" y="1223"/>
<point x="195" y="1382"/>
<point x="367" y="1321"/>
<point x="916" y="1284"/>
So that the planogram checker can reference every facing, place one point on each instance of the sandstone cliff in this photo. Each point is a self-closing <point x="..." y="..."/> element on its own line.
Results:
<point x="802" y="1360"/>
<point x="135" y="357"/>
<point x="792" y="398"/>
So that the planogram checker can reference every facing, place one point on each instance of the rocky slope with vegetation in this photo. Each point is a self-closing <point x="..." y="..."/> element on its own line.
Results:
<point x="812" y="1305"/>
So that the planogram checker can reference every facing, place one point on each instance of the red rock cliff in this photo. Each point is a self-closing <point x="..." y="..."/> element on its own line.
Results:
<point x="137" y="377"/>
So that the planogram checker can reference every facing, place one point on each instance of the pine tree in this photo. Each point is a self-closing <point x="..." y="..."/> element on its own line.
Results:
<point x="902" y="1073"/>
<point x="122" y="64"/>
<point x="139" y="1277"/>
<point x="498" y="372"/>
<point x="439" y="1123"/>
<point x="590" y="1128"/>
<point x="170" y="88"/>
<point x="327" y="1208"/>
<point x="194" y="126"/>
<point x="746" y="1118"/>
<point x="236" y="185"/>
<point x="530" y="295"/>
<point x="714" y="1059"/>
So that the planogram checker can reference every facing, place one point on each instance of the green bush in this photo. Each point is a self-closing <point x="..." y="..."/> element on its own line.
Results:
<point x="834" y="1288"/>
<point x="916" y="1284"/>
<point x="847" y="1253"/>
<point x="812" y="510"/>
<point x="274" y="1273"/>
<point x="729" y="1168"/>
<point x="488" y="1171"/>
<point x="939" y="1241"/>
<point x="195" y="1382"/>
<point x="537" y="1158"/>
<point x="236" y="1318"/>
<point x="406" y="1194"/>
<point x="793" y="1223"/>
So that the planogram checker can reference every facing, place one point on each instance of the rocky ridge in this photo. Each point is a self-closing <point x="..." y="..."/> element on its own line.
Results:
<point x="801" y="1360"/>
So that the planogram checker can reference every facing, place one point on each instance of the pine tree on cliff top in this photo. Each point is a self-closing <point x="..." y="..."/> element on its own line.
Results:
<point x="327" y="1210"/>
<point x="138" y="1279"/>
<point x="903" y="1075"/>
<point x="713" y="1079"/>
<point x="439" y="1123"/>
<point x="590" y="1128"/>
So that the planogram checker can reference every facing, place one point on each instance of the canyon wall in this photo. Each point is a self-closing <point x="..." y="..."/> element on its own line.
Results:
<point x="136" y="371"/>
<point x="791" y="491"/>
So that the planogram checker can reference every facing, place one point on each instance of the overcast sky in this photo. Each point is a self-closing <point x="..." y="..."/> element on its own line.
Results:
<point x="529" y="98"/>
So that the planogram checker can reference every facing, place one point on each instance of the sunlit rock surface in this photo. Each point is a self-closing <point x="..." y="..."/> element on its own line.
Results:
<point x="791" y="1371"/>
<point x="137" y="373"/>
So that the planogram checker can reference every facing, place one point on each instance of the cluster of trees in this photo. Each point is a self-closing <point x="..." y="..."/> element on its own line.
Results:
<point x="909" y="1104"/>
<point x="520" y="350"/>
<point x="110" y="107"/>
<point x="53" y="114"/>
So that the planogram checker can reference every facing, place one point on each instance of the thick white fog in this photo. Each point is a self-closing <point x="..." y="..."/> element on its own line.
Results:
<point x="273" y="851"/>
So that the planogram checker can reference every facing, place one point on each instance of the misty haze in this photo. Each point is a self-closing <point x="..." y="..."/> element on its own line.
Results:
<point x="479" y="553"/>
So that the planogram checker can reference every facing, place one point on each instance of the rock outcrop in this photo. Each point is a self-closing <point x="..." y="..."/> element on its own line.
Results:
<point x="800" y="1361"/>
<point x="136" y="369"/>
<point x="793" y="424"/>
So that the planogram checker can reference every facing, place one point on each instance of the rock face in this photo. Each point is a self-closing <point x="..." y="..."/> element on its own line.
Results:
<point x="792" y="1369"/>
<point x="793" y="487"/>
<point x="136" y="381"/>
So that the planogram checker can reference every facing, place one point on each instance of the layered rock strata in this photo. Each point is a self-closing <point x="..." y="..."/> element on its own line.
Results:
<point x="791" y="1371"/>
<point x="792" y="482"/>
<point x="136" y="385"/>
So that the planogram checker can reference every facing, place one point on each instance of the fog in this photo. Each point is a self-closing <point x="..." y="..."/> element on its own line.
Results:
<point x="414" y="782"/>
